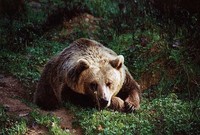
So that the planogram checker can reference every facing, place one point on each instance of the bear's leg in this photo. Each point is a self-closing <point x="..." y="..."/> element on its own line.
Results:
<point x="45" y="98"/>
<point x="117" y="104"/>
<point x="132" y="102"/>
<point x="130" y="93"/>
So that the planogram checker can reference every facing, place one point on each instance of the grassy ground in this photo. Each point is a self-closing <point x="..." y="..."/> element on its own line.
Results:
<point x="158" y="54"/>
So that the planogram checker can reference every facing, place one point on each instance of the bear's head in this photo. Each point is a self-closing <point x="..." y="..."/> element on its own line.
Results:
<point x="101" y="81"/>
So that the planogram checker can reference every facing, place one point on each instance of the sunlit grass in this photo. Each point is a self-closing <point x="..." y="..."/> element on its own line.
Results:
<point x="167" y="115"/>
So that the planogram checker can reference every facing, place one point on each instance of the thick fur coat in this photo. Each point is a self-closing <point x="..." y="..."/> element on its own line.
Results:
<point x="89" y="73"/>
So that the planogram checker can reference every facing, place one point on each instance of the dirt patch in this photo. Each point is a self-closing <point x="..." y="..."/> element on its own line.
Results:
<point x="12" y="93"/>
<point x="11" y="88"/>
<point x="83" y="22"/>
<point x="37" y="130"/>
<point x="149" y="79"/>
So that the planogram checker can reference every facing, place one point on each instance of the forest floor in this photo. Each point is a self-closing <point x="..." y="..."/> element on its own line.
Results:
<point x="12" y="95"/>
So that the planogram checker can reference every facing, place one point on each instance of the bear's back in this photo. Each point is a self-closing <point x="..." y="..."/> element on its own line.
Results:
<point x="87" y="49"/>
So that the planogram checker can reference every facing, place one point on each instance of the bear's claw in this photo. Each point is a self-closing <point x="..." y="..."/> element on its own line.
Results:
<point x="129" y="108"/>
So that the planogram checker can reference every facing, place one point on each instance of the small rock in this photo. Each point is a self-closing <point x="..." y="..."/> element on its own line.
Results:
<point x="67" y="130"/>
<point x="23" y="114"/>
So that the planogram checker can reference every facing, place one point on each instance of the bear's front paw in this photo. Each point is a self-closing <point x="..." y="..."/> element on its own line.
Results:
<point x="129" y="107"/>
<point x="117" y="104"/>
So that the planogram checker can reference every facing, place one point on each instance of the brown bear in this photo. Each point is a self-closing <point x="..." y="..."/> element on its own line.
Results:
<point x="88" y="73"/>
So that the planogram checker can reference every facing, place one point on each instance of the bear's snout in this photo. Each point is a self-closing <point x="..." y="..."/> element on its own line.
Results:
<point x="104" y="96"/>
<point x="103" y="102"/>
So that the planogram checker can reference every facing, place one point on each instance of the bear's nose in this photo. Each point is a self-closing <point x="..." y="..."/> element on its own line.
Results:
<point x="103" y="102"/>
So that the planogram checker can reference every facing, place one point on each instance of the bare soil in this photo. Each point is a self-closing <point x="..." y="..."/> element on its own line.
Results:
<point x="12" y="95"/>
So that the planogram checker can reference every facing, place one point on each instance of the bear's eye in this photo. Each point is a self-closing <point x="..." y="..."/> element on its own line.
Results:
<point x="93" y="86"/>
<point x="108" y="84"/>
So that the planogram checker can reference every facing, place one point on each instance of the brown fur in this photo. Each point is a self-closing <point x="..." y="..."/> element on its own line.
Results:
<point x="86" y="71"/>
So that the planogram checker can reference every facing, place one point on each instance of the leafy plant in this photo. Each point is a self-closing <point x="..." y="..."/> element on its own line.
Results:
<point x="11" y="125"/>
<point x="49" y="121"/>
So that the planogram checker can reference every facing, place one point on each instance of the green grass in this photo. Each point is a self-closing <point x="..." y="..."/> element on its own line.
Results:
<point x="18" y="128"/>
<point x="49" y="121"/>
<point x="12" y="125"/>
<point x="167" y="115"/>
<point x="28" y="64"/>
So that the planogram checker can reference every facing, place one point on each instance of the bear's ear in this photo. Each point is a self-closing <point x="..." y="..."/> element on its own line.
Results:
<point x="82" y="65"/>
<point x="75" y="72"/>
<point x="118" y="62"/>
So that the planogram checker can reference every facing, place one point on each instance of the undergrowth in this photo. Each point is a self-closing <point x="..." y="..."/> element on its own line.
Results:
<point x="52" y="123"/>
<point x="11" y="125"/>
<point x="28" y="65"/>
<point x="167" y="115"/>
<point x="19" y="126"/>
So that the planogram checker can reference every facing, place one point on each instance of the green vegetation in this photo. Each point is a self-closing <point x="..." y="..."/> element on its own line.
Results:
<point x="160" y="48"/>
<point x="49" y="121"/>
<point x="31" y="60"/>
<point x="166" y="115"/>
<point x="11" y="125"/>
<point x="19" y="126"/>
